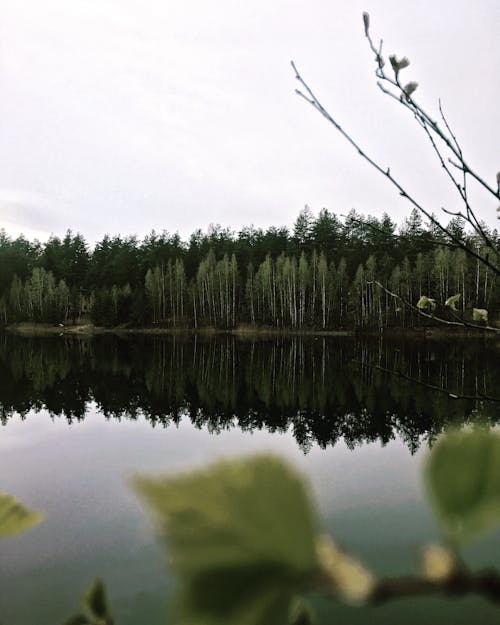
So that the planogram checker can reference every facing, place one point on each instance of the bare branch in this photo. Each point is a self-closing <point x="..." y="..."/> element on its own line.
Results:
<point x="404" y="96"/>
<point x="409" y="103"/>
<point x="313" y="100"/>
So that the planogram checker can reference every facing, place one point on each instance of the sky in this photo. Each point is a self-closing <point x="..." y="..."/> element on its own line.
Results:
<point x="123" y="116"/>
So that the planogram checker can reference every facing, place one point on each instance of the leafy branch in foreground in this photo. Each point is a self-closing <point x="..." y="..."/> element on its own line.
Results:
<point x="243" y="537"/>
<point x="14" y="517"/>
<point x="97" y="610"/>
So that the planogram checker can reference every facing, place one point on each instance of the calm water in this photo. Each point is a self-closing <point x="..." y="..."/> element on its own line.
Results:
<point x="79" y="416"/>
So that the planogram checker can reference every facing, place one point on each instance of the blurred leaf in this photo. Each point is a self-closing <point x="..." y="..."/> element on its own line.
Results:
<point x="463" y="481"/>
<point x="240" y="537"/>
<point x="480" y="314"/>
<point x="96" y="601"/>
<point x="348" y="577"/>
<point x="14" y="517"/>
<point x="452" y="301"/>
<point x="438" y="563"/>
<point x="425" y="303"/>
<point x="300" y="612"/>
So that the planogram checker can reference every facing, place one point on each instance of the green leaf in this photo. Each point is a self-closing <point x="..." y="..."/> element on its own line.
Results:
<point x="463" y="482"/>
<point x="240" y="537"/>
<point x="452" y="301"/>
<point x="301" y="612"/>
<point x="480" y="314"/>
<point x="14" y="517"/>
<point x="425" y="303"/>
<point x="96" y="601"/>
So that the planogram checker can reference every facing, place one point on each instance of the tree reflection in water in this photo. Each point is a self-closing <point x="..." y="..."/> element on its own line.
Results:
<point x="321" y="388"/>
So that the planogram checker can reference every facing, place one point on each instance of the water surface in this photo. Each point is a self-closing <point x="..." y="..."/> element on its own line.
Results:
<point x="81" y="415"/>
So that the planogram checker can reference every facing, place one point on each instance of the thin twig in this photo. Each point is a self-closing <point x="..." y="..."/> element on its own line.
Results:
<point x="485" y="583"/>
<point x="313" y="101"/>
<point x="408" y="102"/>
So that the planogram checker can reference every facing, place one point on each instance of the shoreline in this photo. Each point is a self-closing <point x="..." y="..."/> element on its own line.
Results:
<point x="89" y="330"/>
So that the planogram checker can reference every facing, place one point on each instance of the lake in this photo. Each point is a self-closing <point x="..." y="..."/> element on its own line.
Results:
<point x="82" y="415"/>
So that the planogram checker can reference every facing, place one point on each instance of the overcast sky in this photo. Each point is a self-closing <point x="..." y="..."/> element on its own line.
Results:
<point x="120" y="116"/>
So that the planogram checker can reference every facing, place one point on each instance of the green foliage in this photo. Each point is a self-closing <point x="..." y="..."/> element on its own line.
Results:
<point x="426" y="303"/>
<point x="463" y="482"/>
<point x="301" y="612"/>
<point x="299" y="279"/>
<point x="97" y="611"/>
<point x="480" y="314"/>
<point x="241" y="539"/>
<point x="96" y="601"/>
<point x="452" y="301"/>
<point x="14" y="517"/>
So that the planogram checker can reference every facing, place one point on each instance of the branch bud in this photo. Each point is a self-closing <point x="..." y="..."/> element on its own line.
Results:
<point x="366" y="22"/>
<point x="438" y="563"/>
<point x="344" y="575"/>
<point x="398" y="64"/>
<point x="410" y="88"/>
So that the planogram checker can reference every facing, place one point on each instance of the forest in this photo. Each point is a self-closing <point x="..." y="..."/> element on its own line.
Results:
<point x="327" y="272"/>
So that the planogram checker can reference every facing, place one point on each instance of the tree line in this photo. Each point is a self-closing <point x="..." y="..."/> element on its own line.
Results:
<point x="324" y="273"/>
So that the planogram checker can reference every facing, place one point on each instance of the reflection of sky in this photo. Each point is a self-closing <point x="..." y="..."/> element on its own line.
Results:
<point x="77" y="475"/>
<point x="96" y="445"/>
<point x="370" y="498"/>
